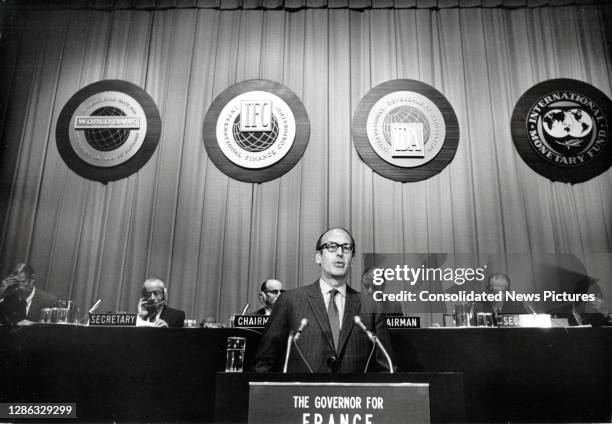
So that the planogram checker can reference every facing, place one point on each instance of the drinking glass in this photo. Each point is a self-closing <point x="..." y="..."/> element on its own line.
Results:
<point x="62" y="315"/>
<point x="235" y="354"/>
<point x="45" y="315"/>
<point x="54" y="315"/>
<point x="484" y="319"/>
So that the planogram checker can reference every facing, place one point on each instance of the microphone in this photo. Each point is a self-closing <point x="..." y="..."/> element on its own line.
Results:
<point x="93" y="309"/>
<point x="374" y="339"/>
<point x="531" y="309"/>
<point x="298" y="333"/>
<point x="291" y="340"/>
<point x="289" y="343"/>
<point x="357" y="320"/>
<point x="245" y="309"/>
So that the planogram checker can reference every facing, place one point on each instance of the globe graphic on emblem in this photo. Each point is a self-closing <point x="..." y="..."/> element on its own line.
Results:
<point x="255" y="141"/>
<point x="107" y="139"/>
<point x="560" y="123"/>
<point x="405" y="115"/>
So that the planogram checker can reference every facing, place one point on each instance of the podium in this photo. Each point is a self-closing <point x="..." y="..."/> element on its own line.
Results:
<point x="446" y="403"/>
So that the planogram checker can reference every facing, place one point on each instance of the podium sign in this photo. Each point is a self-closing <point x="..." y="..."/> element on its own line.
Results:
<point x="327" y="403"/>
<point x="249" y="321"/>
<point x="524" y="320"/>
<point x="112" y="320"/>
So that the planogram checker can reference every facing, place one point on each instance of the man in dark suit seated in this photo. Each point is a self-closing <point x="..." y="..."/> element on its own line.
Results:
<point x="499" y="283"/>
<point x="20" y="300"/>
<point x="368" y="288"/>
<point x="331" y="342"/>
<point x="152" y="308"/>
<point x="270" y="291"/>
<point x="592" y="311"/>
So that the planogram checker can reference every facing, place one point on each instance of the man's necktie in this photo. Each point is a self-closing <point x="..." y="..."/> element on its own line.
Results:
<point x="334" y="320"/>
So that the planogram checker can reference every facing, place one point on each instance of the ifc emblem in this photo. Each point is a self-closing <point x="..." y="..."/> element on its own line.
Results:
<point x="255" y="129"/>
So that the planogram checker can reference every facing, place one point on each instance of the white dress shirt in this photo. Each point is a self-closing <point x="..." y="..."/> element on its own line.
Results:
<point x="29" y="300"/>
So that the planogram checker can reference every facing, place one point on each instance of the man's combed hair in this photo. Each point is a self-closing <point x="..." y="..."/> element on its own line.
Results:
<point x="23" y="267"/>
<point x="318" y="245"/>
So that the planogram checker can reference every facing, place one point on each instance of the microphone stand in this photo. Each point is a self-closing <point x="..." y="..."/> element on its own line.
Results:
<point x="384" y="351"/>
<point x="297" y="347"/>
<point x="375" y="340"/>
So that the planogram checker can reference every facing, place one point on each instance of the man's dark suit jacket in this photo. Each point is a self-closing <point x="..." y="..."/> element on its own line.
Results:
<point x="174" y="317"/>
<point x="9" y="309"/>
<point x="569" y="312"/>
<point x="261" y="311"/>
<point x="316" y="342"/>
<point x="509" y="307"/>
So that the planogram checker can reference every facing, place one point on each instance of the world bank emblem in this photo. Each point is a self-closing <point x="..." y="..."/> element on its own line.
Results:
<point x="561" y="129"/>
<point x="405" y="130"/>
<point x="108" y="130"/>
<point x="256" y="130"/>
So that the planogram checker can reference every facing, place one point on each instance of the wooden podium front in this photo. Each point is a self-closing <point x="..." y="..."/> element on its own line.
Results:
<point x="445" y="391"/>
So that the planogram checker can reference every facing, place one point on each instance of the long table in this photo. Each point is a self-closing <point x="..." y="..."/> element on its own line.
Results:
<point x="150" y="374"/>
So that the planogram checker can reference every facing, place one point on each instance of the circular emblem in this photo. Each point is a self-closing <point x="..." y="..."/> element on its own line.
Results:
<point x="256" y="130"/>
<point x="108" y="130"/>
<point x="405" y="130"/>
<point x="560" y="128"/>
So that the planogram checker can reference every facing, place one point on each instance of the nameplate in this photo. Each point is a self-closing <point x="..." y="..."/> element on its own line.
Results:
<point x="524" y="320"/>
<point x="112" y="320"/>
<point x="324" y="403"/>
<point x="403" y="322"/>
<point x="250" y="321"/>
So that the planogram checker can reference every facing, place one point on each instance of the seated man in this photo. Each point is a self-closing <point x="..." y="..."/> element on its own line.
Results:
<point x="592" y="311"/>
<point x="152" y="308"/>
<point x="270" y="290"/>
<point x="332" y="341"/>
<point x="19" y="299"/>
<point x="368" y="288"/>
<point x="500" y="283"/>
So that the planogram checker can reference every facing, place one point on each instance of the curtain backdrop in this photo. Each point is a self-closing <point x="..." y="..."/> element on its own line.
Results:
<point x="298" y="4"/>
<point x="214" y="239"/>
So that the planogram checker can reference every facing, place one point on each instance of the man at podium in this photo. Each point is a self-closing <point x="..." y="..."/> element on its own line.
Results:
<point x="330" y="341"/>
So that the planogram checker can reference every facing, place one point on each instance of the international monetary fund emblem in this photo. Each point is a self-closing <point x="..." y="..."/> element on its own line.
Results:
<point x="561" y="130"/>
<point x="256" y="130"/>
<point x="108" y="130"/>
<point x="405" y="130"/>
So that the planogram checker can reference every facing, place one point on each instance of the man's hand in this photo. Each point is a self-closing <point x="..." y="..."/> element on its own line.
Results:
<point x="160" y="323"/>
<point x="142" y="310"/>
<point x="10" y="283"/>
<point x="157" y="323"/>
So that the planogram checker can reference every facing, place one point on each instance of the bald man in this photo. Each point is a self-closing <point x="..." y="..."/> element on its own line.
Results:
<point x="331" y="342"/>
<point x="20" y="300"/>
<point x="152" y="308"/>
<point x="270" y="291"/>
<point x="499" y="283"/>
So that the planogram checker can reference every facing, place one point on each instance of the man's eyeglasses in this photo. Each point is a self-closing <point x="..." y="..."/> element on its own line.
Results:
<point x="156" y="293"/>
<point x="332" y="247"/>
<point x="275" y="291"/>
